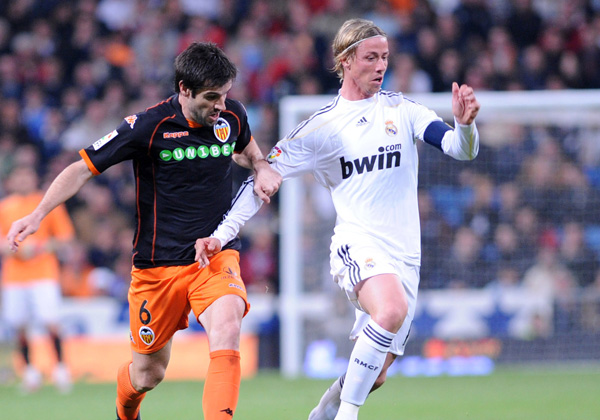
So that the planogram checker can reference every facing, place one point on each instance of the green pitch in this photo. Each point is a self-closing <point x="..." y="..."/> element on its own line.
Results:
<point x="508" y="394"/>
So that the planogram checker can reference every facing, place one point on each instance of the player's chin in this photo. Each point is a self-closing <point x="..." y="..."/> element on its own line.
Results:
<point x="375" y="86"/>
<point x="212" y="119"/>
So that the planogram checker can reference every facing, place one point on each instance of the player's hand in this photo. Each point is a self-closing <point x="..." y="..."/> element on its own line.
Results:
<point x="21" y="229"/>
<point x="266" y="181"/>
<point x="205" y="249"/>
<point x="464" y="104"/>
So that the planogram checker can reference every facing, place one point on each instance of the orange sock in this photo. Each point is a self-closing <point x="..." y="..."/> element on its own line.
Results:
<point x="222" y="386"/>
<point x="128" y="399"/>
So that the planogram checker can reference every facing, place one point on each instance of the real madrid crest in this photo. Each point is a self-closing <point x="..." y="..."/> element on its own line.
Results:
<point x="222" y="130"/>
<point x="390" y="128"/>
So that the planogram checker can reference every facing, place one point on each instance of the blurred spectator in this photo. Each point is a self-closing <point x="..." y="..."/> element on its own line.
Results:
<point x="117" y="15"/>
<point x="464" y="267"/>
<point x="259" y="263"/>
<point x="524" y="23"/>
<point x="590" y="311"/>
<point x="550" y="279"/>
<point x="540" y="180"/>
<point x="533" y="68"/>
<point x="509" y="199"/>
<point x="579" y="201"/>
<point x="474" y="20"/>
<point x="482" y="215"/>
<point x="450" y="69"/>
<point x="93" y="125"/>
<point x="529" y="231"/>
<point x="507" y="251"/>
<point x="436" y="238"/>
<point x="576" y="255"/>
<point x="428" y="45"/>
<point x="404" y="76"/>
<point x="507" y="279"/>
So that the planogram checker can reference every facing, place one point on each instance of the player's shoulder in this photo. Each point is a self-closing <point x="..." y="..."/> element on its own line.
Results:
<point x="321" y="119"/>
<point x="236" y="107"/>
<point x="161" y="109"/>
<point x="391" y="98"/>
<point x="150" y="117"/>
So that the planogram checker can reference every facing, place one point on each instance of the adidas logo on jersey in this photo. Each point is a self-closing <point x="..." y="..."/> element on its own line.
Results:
<point x="361" y="122"/>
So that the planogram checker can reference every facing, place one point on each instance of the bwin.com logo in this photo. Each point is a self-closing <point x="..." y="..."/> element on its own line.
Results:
<point x="388" y="157"/>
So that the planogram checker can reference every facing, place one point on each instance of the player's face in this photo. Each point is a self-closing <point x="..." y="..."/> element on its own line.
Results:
<point x="363" y="72"/>
<point x="205" y="107"/>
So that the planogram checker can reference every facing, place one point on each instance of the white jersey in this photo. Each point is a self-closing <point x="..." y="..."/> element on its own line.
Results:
<point x="365" y="153"/>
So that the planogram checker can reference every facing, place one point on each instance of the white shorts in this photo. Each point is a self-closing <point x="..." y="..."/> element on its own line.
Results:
<point x="352" y="263"/>
<point x="24" y="304"/>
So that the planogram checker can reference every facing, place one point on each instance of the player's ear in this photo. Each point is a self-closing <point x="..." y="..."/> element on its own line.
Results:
<point x="346" y="63"/>
<point x="184" y="90"/>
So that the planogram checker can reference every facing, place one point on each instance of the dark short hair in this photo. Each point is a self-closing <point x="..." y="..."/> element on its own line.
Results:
<point x="203" y="65"/>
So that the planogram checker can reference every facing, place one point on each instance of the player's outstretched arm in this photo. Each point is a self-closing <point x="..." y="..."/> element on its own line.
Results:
<point x="64" y="186"/>
<point x="245" y="205"/>
<point x="266" y="179"/>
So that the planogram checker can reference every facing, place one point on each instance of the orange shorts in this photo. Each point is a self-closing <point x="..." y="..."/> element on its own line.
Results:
<point x="160" y="298"/>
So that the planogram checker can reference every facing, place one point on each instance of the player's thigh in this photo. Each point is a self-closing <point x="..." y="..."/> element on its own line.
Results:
<point x="222" y="321"/>
<point x="46" y="301"/>
<point x="353" y="263"/>
<point x="220" y="278"/>
<point x="15" y="306"/>
<point x="158" y="306"/>
<point x="410" y="279"/>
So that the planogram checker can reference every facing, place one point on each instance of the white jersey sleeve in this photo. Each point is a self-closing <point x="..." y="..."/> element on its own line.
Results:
<point x="462" y="143"/>
<point x="245" y="205"/>
<point x="290" y="158"/>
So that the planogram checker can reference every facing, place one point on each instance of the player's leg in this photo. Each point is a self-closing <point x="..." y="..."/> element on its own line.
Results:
<point x="46" y="302"/>
<point x="330" y="401"/>
<point x="383" y="297"/>
<point x="16" y="313"/>
<point x="219" y="301"/>
<point x="222" y="321"/>
<point x="32" y="377"/>
<point x="158" y="307"/>
<point x="136" y="378"/>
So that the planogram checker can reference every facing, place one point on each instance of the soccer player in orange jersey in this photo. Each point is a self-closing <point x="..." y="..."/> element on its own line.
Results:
<point x="182" y="151"/>
<point x="30" y="277"/>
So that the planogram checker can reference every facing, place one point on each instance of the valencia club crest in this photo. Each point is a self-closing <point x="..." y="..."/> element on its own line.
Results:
<point x="222" y="130"/>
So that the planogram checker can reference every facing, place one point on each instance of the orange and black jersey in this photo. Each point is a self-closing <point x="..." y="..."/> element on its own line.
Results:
<point x="183" y="176"/>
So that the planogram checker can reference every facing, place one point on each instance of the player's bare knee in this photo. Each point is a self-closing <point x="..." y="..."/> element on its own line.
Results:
<point x="147" y="379"/>
<point x="391" y="318"/>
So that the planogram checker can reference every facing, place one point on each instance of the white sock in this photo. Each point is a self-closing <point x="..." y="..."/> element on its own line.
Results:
<point x="366" y="361"/>
<point x="329" y="403"/>
<point x="347" y="411"/>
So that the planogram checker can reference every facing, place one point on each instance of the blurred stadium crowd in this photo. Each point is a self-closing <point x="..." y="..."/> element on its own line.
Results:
<point x="70" y="70"/>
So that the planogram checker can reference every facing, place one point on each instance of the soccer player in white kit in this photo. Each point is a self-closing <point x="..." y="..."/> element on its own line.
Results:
<point x="362" y="148"/>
